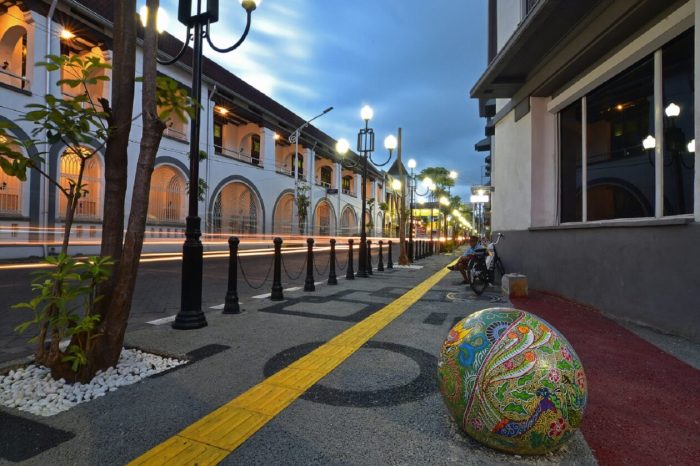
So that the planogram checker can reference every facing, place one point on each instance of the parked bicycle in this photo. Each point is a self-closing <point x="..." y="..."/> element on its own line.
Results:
<point x="484" y="267"/>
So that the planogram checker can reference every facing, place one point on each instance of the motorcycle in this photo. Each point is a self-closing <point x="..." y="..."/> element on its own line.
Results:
<point x="484" y="267"/>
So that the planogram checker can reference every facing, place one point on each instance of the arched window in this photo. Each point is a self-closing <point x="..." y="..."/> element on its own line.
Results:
<point x="236" y="210"/>
<point x="347" y="185"/>
<point x="283" y="214"/>
<point x="348" y="222"/>
<point x="89" y="202"/>
<point x="13" y="56"/>
<point x="324" y="221"/>
<point x="10" y="193"/>
<point x="166" y="197"/>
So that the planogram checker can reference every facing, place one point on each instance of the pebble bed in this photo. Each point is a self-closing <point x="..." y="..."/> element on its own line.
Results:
<point x="33" y="390"/>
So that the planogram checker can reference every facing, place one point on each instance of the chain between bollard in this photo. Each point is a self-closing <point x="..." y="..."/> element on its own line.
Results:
<point x="247" y="280"/>
<point x="284" y="266"/>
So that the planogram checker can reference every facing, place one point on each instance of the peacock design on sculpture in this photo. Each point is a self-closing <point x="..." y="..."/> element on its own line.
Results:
<point x="510" y="428"/>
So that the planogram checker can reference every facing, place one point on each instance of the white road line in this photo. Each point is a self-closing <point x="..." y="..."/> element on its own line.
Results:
<point x="294" y="288"/>
<point x="262" y="296"/>
<point x="164" y="320"/>
<point x="218" y="306"/>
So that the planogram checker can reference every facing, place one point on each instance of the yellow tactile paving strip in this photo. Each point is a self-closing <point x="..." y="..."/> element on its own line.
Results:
<point x="219" y="433"/>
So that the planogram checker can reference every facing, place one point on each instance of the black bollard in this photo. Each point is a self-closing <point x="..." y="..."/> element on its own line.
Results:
<point x="277" y="294"/>
<point x="389" y="262"/>
<point x="309" y="283"/>
<point x="369" y="257"/>
<point x="380" y="262"/>
<point x="231" y="305"/>
<point x="350" y="273"/>
<point x="332" y="279"/>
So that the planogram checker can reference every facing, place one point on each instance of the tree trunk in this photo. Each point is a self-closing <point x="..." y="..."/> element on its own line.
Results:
<point x="116" y="156"/>
<point x="108" y="347"/>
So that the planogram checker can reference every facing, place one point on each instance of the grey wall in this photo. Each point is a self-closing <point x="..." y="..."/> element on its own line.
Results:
<point x="649" y="275"/>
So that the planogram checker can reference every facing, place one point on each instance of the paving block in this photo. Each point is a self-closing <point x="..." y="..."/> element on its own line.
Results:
<point x="514" y="285"/>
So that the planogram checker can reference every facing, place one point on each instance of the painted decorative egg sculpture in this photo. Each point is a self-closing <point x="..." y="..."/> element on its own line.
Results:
<point x="512" y="381"/>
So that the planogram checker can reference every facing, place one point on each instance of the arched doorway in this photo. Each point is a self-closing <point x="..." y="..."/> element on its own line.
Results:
<point x="236" y="210"/>
<point x="283" y="214"/>
<point x="348" y="222"/>
<point x="324" y="219"/>
<point x="89" y="207"/>
<point x="166" y="199"/>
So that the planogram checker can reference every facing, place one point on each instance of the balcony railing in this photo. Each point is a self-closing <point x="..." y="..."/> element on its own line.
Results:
<point x="349" y="192"/>
<point x="283" y="169"/>
<point x="11" y="79"/>
<point x="238" y="155"/>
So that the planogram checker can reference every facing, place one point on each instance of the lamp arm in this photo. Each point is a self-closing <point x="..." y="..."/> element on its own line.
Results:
<point x="379" y="164"/>
<point x="237" y="44"/>
<point x="179" y="54"/>
<point x="297" y="132"/>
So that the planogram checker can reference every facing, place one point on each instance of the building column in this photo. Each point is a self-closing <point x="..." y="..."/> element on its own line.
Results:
<point x="339" y="187"/>
<point x="309" y="170"/>
<point x="267" y="149"/>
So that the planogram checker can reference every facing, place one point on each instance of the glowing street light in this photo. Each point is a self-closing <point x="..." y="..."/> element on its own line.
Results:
<point x="691" y="146"/>
<point x="672" y="110"/>
<point x="649" y="142"/>
<point x="412" y="164"/>
<point x="67" y="34"/>
<point x="396" y="184"/>
<point x="342" y="146"/>
<point x="162" y="18"/>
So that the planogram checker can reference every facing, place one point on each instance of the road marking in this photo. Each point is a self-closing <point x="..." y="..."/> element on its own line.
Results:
<point x="163" y="320"/>
<point x="216" y="435"/>
<point x="262" y="296"/>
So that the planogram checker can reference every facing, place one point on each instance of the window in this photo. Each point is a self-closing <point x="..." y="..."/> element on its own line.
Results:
<point x="608" y="141"/>
<point x="255" y="149"/>
<point x="300" y="165"/>
<point x="218" y="137"/>
<point x="167" y="196"/>
<point x="678" y="96"/>
<point x="347" y="184"/>
<point x="620" y="115"/>
<point x="570" y="149"/>
<point x="10" y="192"/>
<point x="326" y="176"/>
<point x="88" y="204"/>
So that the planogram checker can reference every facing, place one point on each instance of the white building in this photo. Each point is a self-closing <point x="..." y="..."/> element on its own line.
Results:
<point x="249" y="168"/>
<point x="592" y="127"/>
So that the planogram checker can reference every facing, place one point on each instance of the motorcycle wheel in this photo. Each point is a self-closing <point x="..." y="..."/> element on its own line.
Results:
<point x="478" y="282"/>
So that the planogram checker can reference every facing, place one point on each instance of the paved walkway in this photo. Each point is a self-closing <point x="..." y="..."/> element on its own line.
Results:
<point x="347" y="375"/>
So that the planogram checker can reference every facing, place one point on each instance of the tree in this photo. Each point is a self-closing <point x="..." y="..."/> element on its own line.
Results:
<point x="303" y="204"/>
<point x="96" y="325"/>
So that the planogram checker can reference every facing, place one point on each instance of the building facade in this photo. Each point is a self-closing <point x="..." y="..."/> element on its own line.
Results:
<point x="249" y="169"/>
<point x="592" y="121"/>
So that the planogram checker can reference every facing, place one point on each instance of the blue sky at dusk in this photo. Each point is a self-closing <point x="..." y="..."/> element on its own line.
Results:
<point x="412" y="61"/>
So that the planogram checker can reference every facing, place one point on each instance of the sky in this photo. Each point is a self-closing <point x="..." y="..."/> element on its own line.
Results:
<point x="412" y="61"/>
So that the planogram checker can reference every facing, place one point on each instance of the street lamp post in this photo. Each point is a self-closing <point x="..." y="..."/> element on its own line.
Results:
<point x="365" y="146"/>
<point x="190" y="315"/>
<point x="294" y="139"/>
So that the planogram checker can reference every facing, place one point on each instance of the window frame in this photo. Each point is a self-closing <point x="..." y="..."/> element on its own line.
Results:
<point x="657" y="55"/>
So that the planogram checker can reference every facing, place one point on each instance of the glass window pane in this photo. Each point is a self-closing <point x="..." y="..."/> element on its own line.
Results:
<point x="570" y="152"/>
<point x="620" y="115"/>
<point x="678" y="89"/>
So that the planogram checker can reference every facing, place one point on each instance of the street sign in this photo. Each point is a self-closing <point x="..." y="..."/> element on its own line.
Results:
<point x="331" y="191"/>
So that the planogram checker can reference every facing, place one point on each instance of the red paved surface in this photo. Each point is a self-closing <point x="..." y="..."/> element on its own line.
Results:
<point x="644" y="404"/>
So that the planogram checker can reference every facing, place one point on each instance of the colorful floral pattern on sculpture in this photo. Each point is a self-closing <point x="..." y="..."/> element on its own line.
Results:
<point x="512" y="381"/>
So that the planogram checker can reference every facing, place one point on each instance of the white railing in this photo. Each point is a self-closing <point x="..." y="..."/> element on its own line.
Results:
<point x="238" y="155"/>
<point x="8" y="78"/>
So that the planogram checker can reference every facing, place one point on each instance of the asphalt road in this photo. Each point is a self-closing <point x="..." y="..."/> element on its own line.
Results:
<point x="157" y="293"/>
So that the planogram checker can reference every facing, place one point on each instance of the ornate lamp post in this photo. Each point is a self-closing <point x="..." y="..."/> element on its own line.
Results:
<point x="365" y="146"/>
<point x="199" y="21"/>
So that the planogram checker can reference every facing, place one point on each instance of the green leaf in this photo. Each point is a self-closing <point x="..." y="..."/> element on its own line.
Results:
<point x="548" y="384"/>
<point x="563" y="365"/>
<point x="515" y="408"/>
<point x="556" y="344"/>
<point x="523" y="396"/>
<point x="500" y="393"/>
<point x="525" y="378"/>
<point x="546" y="349"/>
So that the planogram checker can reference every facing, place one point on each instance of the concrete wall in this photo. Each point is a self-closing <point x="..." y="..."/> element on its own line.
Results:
<point x="639" y="274"/>
<point x="512" y="173"/>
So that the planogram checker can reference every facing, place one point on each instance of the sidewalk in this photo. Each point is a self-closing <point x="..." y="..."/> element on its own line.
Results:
<point x="376" y="405"/>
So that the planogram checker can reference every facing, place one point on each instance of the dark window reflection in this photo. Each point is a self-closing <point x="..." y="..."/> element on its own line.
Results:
<point x="620" y="115"/>
<point x="678" y="94"/>
<point x="570" y="140"/>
